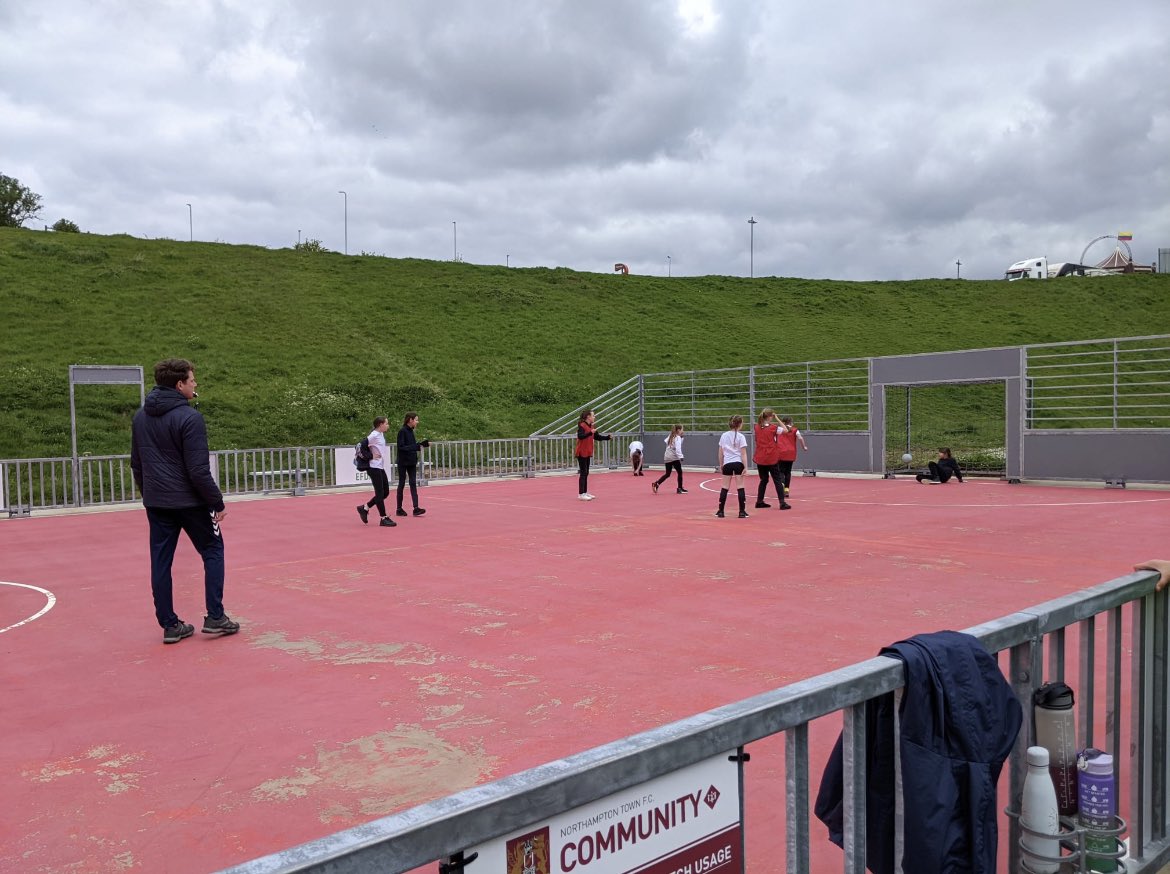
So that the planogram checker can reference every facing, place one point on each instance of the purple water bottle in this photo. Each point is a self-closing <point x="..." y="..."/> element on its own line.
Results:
<point x="1097" y="790"/>
<point x="1056" y="732"/>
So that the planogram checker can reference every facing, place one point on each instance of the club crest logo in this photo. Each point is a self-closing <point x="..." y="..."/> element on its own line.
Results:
<point x="529" y="854"/>
<point x="711" y="797"/>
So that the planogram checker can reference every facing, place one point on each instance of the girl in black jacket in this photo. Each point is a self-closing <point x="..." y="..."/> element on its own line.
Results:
<point x="943" y="469"/>
<point x="407" y="462"/>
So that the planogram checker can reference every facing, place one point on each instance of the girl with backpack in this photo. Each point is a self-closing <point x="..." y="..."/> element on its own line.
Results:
<point x="377" y="474"/>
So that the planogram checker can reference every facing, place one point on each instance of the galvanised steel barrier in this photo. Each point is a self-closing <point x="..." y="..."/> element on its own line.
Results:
<point x="1103" y="384"/>
<point x="1112" y="384"/>
<point x="824" y="395"/>
<point x="1129" y="698"/>
<point x="516" y="456"/>
<point x="48" y="483"/>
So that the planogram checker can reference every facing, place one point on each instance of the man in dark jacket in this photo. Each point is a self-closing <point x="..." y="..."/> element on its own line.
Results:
<point x="171" y="465"/>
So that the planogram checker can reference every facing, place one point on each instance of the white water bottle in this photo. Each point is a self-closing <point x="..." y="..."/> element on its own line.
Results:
<point x="1039" y="812"/>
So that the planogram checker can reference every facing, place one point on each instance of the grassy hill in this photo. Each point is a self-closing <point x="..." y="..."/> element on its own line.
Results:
<point x="303" y="348"/>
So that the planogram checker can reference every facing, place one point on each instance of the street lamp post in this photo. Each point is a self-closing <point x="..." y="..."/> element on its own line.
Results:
<point x="752" y="248"/>
<point x="958" y="264"/>
<point x="454" y="241"/>
<point x="345" y="207"/>
<point x="298" y="236"/>
<point x="667" y="266"/>
<point x="191" y="223"/>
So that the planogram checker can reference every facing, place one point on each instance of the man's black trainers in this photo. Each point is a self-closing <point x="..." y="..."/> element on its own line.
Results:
<point x="680" y="491"/>
<point x="364" y="512"/>
<point x="400" y="512"/>
<point x="222" y="625"/>
<point x="175" y="633"/>
<point x="387" y="522"/>
<point x="719" y="514"/>
<point x="743" y="514"/>
<point x="786" y="506"/>
<point x="419" y="511"/>
<point x="761" y="505"/>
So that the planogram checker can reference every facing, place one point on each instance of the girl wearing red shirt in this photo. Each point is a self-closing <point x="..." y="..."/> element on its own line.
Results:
<point x="586" y="434"/>
<point x="767" y="457"/>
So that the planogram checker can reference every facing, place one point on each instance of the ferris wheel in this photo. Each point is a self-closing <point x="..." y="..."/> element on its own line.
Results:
<point x="1093" y="242"/>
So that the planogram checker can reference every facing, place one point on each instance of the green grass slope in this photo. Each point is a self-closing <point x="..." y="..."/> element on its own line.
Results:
<point x="301" y="348"/>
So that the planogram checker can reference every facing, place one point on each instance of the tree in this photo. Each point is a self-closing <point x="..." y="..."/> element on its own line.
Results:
<point x="310" y="246"/>
<point x="64" y="226"/>
<point x="17" y="203"/>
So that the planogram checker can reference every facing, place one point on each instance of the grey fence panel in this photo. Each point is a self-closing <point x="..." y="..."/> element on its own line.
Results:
<point x="107" y="479"/>
<point x="617" y="398"/>
<point x="38" y="483"/>
<point x="260" y="471"/>
<point x="444" y="827"/>
<point x="1122" y="383"/>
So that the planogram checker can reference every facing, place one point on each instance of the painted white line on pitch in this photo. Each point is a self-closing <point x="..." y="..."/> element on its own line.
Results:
<point x="719" y="480"/>
<point x="50" y="601"/>
<point x="992" y="506"/>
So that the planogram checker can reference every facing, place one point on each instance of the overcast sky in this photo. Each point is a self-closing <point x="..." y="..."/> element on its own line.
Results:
<point x="869" y="140"/>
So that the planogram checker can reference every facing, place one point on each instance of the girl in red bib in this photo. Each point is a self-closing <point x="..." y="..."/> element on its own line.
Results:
<point x="767" y="457"/>
<point x="586" y="434"/>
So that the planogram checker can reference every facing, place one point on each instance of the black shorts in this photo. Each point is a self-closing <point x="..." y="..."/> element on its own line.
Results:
<point x="734" y="468"/>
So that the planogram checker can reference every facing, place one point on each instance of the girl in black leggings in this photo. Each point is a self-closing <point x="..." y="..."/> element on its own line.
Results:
<point x="586" y="434"/>
<point x="673" y="458"/>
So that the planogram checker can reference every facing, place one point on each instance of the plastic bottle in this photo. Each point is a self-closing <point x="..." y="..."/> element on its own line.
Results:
<point x="1038" y="811"/>
<point x="1056" y="732"/>
<point x="1098" y="803"/>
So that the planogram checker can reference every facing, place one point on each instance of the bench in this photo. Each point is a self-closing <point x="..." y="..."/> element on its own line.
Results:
<point x="267" y="478"/>
<point x="511" y="460"/>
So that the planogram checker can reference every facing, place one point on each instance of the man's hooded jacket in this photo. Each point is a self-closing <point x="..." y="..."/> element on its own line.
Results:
<point x="169" y="454"/>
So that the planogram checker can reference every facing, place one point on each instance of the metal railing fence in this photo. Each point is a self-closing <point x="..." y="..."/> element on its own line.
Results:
<point x="48" y="483"/>
<point x="1102" y="384"/>
<point x="620" y="406"/>
<point x="820" y="395"/>
<point x="255" y="471"/>
<point x="517" y="456"/>
<point x="1127" y="698"/>
<point x="1090" y="384"/>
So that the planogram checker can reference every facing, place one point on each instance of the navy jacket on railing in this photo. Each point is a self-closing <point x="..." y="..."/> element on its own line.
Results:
<point x="959" y="721"/>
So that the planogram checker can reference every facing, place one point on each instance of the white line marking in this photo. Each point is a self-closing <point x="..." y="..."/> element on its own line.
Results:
<point x="50" y="599"/>
<point x="980" y="506"/>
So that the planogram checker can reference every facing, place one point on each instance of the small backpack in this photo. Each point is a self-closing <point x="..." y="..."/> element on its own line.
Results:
<point x="362" y="454"/>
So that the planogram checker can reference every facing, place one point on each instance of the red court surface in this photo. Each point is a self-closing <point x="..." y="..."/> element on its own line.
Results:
<point x="510" y="626"/>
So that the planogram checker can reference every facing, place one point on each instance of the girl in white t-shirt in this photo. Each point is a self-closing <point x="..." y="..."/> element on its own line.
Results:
<point x="732" y="461"/>
<point x="377" y="474"/>
<point x="673" y="457"/>
<point x="636" y="457"/>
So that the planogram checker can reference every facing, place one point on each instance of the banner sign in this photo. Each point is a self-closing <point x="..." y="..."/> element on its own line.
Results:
<point x="686" y="822"/>
<point x="347" y="474"/>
